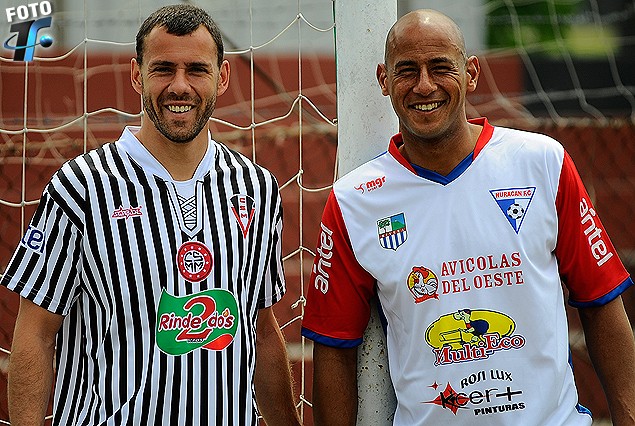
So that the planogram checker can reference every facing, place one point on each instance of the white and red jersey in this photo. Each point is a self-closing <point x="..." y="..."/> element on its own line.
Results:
<point x="468" y="271"/>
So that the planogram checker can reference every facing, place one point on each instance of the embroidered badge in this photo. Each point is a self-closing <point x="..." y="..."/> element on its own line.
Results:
<point x="243" y="207"/>
<point x="514" y="203"/>
<point x="194" y="261"/>
<point x="122" y="213"/>
<point x="34" y="239"/>
<point x="392" y="231"/>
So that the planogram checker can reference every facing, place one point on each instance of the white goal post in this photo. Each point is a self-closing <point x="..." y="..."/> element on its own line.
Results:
<point x="365" y="123"/>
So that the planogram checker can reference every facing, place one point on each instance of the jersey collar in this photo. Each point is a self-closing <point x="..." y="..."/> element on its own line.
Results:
<point x="486" y="134"/>
<point x="140" y="154"/>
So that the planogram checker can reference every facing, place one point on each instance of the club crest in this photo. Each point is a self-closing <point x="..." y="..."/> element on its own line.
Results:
<point x="194" y="261"/>
<point x="514" y="203"/>
<point x="243" y="207"/>
<point x="392" y="231"/>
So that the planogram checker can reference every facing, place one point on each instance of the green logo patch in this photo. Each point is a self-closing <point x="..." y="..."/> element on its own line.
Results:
<point x="204" y="320"/>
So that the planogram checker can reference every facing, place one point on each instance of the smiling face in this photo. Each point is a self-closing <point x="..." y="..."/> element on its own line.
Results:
<point x="427" y="76"/>
<point x="179" y="81"/>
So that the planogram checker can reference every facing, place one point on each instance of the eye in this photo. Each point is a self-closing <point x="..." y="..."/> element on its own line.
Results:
<point x="162" y="70"/>
<point x="406" y="71"/>
<point x="443" y="68"/>
<point x="199" y="70"/>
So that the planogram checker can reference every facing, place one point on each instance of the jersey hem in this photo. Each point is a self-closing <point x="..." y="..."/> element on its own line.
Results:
<point x="330" y="341"/>
<point x="601" y="301"/>
<point x="44" y="302"/>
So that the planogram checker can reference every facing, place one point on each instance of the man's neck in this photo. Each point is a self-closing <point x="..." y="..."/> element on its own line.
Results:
<point x="180" y="159"/>
<point x="444" y="154"/>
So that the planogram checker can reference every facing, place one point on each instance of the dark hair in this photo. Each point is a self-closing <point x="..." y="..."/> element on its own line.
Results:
<point x="179" y="20"/>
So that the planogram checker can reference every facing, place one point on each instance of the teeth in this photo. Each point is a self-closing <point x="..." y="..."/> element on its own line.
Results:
<point x="179" y="108"/>
<point x="428" y="107"/>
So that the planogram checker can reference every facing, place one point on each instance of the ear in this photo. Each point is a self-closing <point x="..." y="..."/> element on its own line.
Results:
<point x="223" y="78"/>
<point x="135" y="76"/>
<point x="382" y="75"/>
<point x="473" y="72"/>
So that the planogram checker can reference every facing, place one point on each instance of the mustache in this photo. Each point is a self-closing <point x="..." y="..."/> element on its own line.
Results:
<point x="175" y="98"/>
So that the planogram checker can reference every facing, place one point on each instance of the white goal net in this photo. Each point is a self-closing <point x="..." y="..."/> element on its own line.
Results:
<point x="561" y="67"/>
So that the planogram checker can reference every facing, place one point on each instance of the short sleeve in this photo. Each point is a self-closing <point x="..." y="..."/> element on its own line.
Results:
<point x="589" y="264"/>
<point x="46" y="266"/>
<point x="338" y="297"/>
<point x="274" y="285"/>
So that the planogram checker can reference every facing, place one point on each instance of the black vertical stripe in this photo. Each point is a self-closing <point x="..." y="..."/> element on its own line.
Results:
<point x="100" y="194"/>
<point x="222" y="252"/>
<point x="67" y="344"/>
<point x="55" y="274"/>
<point x="144" y="280"/>
<point x="155" y="238"/>
<point x="176" y="391"/>
<point x="242" y="173"/>
<point x="124" y="244"/>
<point x="212" y="213"/>
<point x="189" y="400"/>
<point x="171" y="223"/>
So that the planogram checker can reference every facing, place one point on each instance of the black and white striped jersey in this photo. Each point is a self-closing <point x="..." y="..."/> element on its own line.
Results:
<point x="160" y="283"/>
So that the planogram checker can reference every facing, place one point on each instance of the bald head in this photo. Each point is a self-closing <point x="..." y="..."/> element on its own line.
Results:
<point x="426" y="23"/>
<point x="427" y="76"/>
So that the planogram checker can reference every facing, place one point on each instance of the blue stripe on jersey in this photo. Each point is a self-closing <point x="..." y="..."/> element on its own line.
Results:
<point x="578" y="407"/>
<point x="582" y="409"/>
<point x="439" y="178"/>
<point x="331" y="341"/>
<point x="606" y="298"/>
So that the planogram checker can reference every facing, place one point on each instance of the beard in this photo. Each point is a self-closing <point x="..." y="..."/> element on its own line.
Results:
<point x="177" y="131"/>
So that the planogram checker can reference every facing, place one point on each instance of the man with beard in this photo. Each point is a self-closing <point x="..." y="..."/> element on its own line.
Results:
<point x="152" y="263"/>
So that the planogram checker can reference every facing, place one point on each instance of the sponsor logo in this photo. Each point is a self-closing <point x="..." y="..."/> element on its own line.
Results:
<point x="321" y="264"/>
<point x="423" y="284"/>
<point x="371" y="185"/>
<point x="26" y="31"/>
<point x="593" y="232"/>
<point x="34" y="239"/>
<point x="514" y="203"/>
<point x="122" y="213"/>
<point x="486" y="272"/>
<point x="194" y="261"/>
<point x="471" y="335"/>
<point x="482" y="402"/>
<point x="207" y="320"/>
<point x="392" y="231"/>
<point x="243" y="208"/>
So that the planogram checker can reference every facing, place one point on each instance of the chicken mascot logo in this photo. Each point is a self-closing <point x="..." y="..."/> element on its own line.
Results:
<point x="423" y="284"/>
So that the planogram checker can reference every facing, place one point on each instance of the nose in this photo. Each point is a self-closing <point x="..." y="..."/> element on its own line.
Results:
<point x="179" y="84"/>
<point x="425" y="84"/>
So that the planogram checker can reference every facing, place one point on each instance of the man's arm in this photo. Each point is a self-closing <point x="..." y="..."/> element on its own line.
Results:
<point x="611" y="346"/>
<point x="334" y="386"/>
<point x="31" y="363"/>
<point x="272" y="380"/>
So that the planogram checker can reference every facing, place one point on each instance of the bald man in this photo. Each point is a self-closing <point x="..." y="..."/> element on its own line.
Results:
<point x="487" y="220"/>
